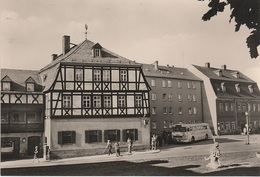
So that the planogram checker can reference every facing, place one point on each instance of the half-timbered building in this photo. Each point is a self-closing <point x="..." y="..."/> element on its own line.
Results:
<point x="94" y="95"/>
<point x="22" y="113"/>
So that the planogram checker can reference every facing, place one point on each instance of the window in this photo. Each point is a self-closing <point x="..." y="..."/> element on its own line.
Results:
<point x="194" y="97"/>
<point x="190" y="110"/>
<point x="180" y="110"/>
<point x="243" y="107"/>
<point x="138" y="101"/>
<point x="254" y="107"/>
<point x="153" y="110"/>
<point x="180" y="97"/>
<point x="169" y="83"/>
<point x="107" y="101"/>
<point x="170" y="124"/>
<point x="164" y="96"/>
<point x="164" y="110"/>
<point x="165" y="124"/>
<point x="17" y="118"/>
<point x="193" y="85"/>
<point x="154" y="125"/>
<point x="123" y="75"/>
<point x="221" y="107"/>
<point x="221" y="126"/>
<point x="258" y="105"/>
<point x="66" y="137"/>
<point x="130" y="133"/>
<point x="188" y="85"/>
<point x="6" y="86"/>
<point x="121" y="101"/>
<point x="227" y="125"/>
<point x="194" y="110"/>
<point x="29" y="87"/>
<point x="66" y="101"/>
<point x="112" y="135"/>
<point x="250" y="88"/>
<point x="163" y="83"/>
<point x="237" y="86"/>
<point x="223" y="86"/>
<point x="153" y="96"/>
<point x="233" y="125"/>
<point x="226" y="107"/>
<point x="97" y="101"/>
<point x="179" y="84"/>
<point x="239" y="107"/>
<point x="249" y="107"/>
<point x="79" y="75"/>
<point x="86" y="102"/>
<point x="32" y="118"/>
<point x="106" y="75"/>
<point x="170" y="96"/>
<point x="170" y="110"/>
<point x="153" y="83"/>
<point x="93" y="136"/>
<point x="97" y="75"/>
<point x="232" y="106"/>
<point x="189" y="97"/>
<point x="4" y="118"/>
<point x="97" y="53"/>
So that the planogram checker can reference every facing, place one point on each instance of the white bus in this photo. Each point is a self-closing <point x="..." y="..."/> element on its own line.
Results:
<point x="190" y="132"/>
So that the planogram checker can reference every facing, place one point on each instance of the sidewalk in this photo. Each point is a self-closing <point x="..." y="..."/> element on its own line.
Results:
<point x="74" y="160"/>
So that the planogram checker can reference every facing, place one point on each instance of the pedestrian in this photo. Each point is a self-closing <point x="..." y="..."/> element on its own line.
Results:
<point x="214" y="157"/>
<point x="129" y="145"/>
<point x="36" y="154"/>
<point x="48" y="154"/>
<point x="109" y="147"/>
<point x="117" y="149"/>
<point x="153" y="142"/>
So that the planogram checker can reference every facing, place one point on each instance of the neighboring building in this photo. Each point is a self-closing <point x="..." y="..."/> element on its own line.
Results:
<point x="230" y="94"/>
<point x="176" y="96"/>
<point x="22" y="113"/>
<point x="93" y="95"/>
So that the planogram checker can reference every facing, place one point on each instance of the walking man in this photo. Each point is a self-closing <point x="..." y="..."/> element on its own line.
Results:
<point x="36" y="154"/>
<point x="109" y="147"/>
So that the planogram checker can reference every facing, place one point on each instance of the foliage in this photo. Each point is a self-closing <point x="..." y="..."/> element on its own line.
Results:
<point x="244" y="12"/>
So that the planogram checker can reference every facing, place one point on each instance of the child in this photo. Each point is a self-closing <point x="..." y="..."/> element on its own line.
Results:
<point x="36" y="154"/>
<point x="214" y="157"/>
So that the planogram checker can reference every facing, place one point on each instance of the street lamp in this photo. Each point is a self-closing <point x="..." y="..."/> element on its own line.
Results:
<point x="247" y="126"/>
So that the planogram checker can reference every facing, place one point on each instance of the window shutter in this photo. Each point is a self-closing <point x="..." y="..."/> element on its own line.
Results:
<point x="59" y="137"/>
<point x="117" y="135"/>
<point x="99" y="135"/>
<point x="73" y="137"/>
<point x="86" y="136"/>
<point x="136" y="134"/>
<point x="124" y="135"/>
<point x="105" y="135"/>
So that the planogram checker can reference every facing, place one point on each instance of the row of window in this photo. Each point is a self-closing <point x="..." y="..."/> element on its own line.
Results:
<point x="168" y="84"/>
<point x="19" y="117"/>
<point x="95" y="136"/>
<point x="169" y="110"/>
<point x="99" y="101"/>
<point x="237" y="87"/>
<point x="241" y="107"/>
<point x="170" y="97"/>
<point x="6" y="86"/>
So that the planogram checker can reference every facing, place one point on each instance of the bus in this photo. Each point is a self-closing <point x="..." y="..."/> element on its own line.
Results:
<point x="190" y="132"/>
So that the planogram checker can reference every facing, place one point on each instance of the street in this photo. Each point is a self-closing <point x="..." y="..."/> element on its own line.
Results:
<point x="237" y="159"/>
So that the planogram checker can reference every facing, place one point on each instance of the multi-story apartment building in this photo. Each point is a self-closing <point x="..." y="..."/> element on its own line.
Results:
<point x="93" y="95"/>
<point x="231" y="95"/>
<point x="176" y="96"/>
<point x="22" y="113"/>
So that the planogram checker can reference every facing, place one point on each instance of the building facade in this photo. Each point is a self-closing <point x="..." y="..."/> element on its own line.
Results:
<point x="94" y="95"/>
<point x="22" y="113"/>
<point x="176" y="96"/>
<point x="231" y="95"/>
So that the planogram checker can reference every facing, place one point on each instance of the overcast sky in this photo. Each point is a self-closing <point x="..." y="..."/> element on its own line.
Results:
<point x="170" y="31"/>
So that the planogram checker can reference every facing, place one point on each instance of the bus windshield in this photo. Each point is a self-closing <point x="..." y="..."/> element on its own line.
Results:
<point x="179" y="129"/>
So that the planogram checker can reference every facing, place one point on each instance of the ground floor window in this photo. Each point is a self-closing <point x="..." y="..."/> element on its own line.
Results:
<point x="93" y="136"/>
<point x="112" y="135"/>
<point x="154" y="125"/>
<point x="66" y="137"/>
<point x="165" y="124"/>
<point x="227" y="125"/>
<point x="130" y="133"/>
<point x="233" y="125"/>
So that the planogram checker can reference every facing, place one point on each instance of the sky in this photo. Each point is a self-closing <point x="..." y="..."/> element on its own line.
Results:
<point x="169" y="31"/>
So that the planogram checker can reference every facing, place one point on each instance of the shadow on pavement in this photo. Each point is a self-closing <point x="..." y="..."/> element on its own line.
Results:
<point x="125" y="168"/>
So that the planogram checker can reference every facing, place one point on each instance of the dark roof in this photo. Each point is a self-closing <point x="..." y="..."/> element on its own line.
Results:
<point x="169" y="72"/>
<point x="19" y="77"/>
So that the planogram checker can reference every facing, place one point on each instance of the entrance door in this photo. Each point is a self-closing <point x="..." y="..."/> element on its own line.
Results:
<point x="32" y="142"/>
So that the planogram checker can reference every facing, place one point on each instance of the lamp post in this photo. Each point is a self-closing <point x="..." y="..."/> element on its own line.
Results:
<point x="247" y="126"/>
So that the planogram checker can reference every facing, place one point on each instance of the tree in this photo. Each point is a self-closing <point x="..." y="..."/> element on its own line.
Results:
<point x="244" y="12"/>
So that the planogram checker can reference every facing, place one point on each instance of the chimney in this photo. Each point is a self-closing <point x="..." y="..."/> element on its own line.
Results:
<point x="156" y="65"/>
<point x="207" y="65"/>
<point x="65" y="44"/>
<point x="224" y="67"/>
<point x="54" y="56"/>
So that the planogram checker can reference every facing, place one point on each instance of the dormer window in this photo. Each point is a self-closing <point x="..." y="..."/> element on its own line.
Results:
<point x="235" y="74"/>
<point x="30" y="85"/>
<point x="250" y="88"/>
<point x="218" y="72"/>
<point x="6" y="83"/>
<point x="223" y="87"/>
<point x="237" y="86"/>
<point x="96" y="50"/>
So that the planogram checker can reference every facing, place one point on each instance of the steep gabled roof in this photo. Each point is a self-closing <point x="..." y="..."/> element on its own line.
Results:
<point x="30" y="80"/>
<point x="6" y="79"/>
<point x="169" y="72"/>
